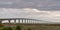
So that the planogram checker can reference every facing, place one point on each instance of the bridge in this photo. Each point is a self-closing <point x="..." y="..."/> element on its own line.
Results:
<point x="34" y="23"/>
<point x="22" y="20"/>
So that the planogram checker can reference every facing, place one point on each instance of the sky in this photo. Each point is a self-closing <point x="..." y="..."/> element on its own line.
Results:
<point x="38" y="4"/>
<point x="48" y="10"/>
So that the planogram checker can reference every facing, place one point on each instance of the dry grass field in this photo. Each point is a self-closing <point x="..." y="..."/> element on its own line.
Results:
<point x="35" y="26"/>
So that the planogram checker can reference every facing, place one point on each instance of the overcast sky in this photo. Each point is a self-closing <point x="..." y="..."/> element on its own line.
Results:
<point x="48" y="10"/>
<point x="38" y="4"/>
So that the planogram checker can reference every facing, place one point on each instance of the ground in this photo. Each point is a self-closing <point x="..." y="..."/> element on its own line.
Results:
<point x="36" y="26"/>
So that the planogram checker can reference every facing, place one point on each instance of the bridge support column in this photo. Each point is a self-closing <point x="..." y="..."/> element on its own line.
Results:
<point x="22" y="20"/>
<point x="0" y="21"/>
<point x="9" y="21"/>
<point x="29" y="21"/>
<point x="18" y="20"/>
<point x="25" y="20"/>
<point x="15" y="21"/>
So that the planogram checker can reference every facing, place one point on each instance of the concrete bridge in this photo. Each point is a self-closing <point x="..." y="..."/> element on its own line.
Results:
<point x="21" y="20"/>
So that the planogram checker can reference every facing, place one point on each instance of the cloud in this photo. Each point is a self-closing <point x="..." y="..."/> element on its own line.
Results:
<point x="41" y="4"/>
<point x="53" y="16"/>
<point x="5" y="2"/>
<point x="50" y="5"/>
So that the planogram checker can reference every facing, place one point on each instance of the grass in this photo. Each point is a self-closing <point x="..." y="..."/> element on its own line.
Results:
<point x="34" y="26"/>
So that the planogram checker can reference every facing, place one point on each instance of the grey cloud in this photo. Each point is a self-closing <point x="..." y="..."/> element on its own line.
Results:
<point x="38" y="4"/>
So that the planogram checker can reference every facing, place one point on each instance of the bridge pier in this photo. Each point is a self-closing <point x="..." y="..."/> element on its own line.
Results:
<point x="14" y="21"/>
<point x="22" y="21"/>
<point x="18" y="20"/>
<point x="0" y="21"/>
<point x="27" y="20"/>
<point x="9" y="21"/>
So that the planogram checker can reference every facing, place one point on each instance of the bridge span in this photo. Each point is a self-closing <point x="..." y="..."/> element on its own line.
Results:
<point x="22" y="20"/>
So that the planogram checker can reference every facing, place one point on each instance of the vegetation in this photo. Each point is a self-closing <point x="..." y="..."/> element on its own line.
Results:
<point x="1" y="25"/>
<point x="32" y="27"/>
<point x="29" y="29"/>
<point x="18" y="28"/>
<point x="4" y="28"/>
<point x="9" y="28"/>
